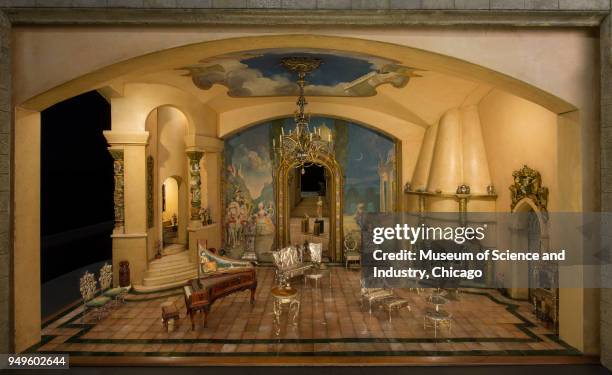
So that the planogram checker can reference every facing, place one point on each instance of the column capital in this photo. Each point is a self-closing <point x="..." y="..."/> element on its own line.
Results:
<point x="117" y="138"/>
<point x="116" y="153"/>
<point x="194" y="155"/>
<point x="203" y="143"/>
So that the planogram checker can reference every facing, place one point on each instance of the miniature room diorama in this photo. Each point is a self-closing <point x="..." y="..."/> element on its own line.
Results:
<point x="242" y="170"/>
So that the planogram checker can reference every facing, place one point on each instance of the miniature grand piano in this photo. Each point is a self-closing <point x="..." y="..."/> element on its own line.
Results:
<point x="230" y="277"/>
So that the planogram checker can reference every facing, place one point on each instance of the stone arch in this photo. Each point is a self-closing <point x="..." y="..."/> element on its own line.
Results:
<point x="140" y="103"/>
<point x="169" y="58"/>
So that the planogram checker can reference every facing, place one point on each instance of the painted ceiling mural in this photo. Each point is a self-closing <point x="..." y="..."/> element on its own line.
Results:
<point x="259" y="73"/>
<point x="367" y="159"/>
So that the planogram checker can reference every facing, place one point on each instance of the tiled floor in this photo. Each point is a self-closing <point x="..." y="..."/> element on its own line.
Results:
<point x="331" y="322"/>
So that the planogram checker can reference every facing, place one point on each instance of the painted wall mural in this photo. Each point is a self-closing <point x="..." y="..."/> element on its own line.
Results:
<point x="249" y="191"/>
<point x="367" y="159"/>
<point x="259" y="73"/>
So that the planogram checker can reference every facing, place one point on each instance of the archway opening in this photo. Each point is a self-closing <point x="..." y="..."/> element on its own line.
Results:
<point x="170" y="211"/>
<point x="309" y="206"/>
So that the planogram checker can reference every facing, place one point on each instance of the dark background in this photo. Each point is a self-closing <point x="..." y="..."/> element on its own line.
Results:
<point x="76" y="192"/>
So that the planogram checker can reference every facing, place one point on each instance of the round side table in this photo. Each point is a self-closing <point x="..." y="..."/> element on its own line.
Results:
<point x="437" y="301"/>
<point x="285" y="296"/>
<point x="437" y="319"/>
<point x="317" y="273"/>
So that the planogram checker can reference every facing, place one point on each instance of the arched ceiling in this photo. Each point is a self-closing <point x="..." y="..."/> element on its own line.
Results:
<point x="422" y="101"/>
<point x="413" y="85"/>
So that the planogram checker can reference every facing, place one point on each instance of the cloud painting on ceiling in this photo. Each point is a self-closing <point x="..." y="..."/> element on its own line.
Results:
<point x="260" y="73"/>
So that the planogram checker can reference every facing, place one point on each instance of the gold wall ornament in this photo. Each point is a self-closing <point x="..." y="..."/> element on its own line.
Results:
<point x="195" y="184"/>
<point x="283" y="214"/>
<point x="118" y="196"/>
<point x="528" y="184"/>
<point x="150" y="191"/>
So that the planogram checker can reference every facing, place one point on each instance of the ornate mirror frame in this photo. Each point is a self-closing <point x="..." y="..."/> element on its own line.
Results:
<point x="283" y="215"/>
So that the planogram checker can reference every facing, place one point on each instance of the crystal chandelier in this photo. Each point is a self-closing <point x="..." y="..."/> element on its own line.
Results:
<point x="302" y="145"/>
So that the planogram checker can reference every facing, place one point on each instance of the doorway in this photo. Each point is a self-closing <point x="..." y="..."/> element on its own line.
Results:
<point x="310" y="207"/>
<point x="312" y="191"/>
<point x="170" y="211"/>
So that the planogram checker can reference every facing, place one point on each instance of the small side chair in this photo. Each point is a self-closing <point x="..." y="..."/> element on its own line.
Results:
<point x="97" y="304"/>
<point x="106" y="280"/>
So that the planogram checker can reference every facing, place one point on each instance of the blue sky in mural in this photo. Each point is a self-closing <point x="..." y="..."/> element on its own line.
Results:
<point x="260" y="73"/>
<point x="335" y="68"/>
<point x="366" y="149"/>
<point x="249" y="153"/>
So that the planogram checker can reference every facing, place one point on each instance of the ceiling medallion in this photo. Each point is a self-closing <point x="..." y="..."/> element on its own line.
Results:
<point x="302" y="145"/>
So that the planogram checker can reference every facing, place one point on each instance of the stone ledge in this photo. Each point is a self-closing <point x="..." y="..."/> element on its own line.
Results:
<point x="319" y="4"/>
<point x="271" y="18"/>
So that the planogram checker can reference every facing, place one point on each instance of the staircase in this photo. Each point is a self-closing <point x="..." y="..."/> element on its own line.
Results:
<point x="173" y="269"/>
<point x="308" y="205"/>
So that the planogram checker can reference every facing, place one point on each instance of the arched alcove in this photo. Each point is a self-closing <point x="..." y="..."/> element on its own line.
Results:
<point x="167" y="127"/>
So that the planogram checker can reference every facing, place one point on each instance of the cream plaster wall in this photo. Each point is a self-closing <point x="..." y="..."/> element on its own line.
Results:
<point x="569" y="54"/>
<point x="26" y="255"/>
<point x="452" y="154"/>
<point x="171" y="127"/>
<point x="172" y="201"/>
<point x="518" y="132"/>
<point x="130" y="110"/>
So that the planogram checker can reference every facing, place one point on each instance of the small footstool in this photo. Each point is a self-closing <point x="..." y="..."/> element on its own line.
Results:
<point x="394" y="303"/>
<point x="169" y="312"/>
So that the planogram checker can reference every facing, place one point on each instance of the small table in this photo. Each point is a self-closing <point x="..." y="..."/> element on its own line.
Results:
<point x="285" y="296"/>
<point x="169" y="313"/>
<point x="317" y="273"/>
<point x="437" y="301"/>
<point x="436" y="319"/>
<point x="376" y="296"/>
<point x="394" y="303"/>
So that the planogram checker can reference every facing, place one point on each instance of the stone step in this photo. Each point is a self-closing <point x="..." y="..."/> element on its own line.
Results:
<point x="156" y="288"/>
<point x="171" y="269"/>
<point x="164" y="265"/>
<point x="173" y="249"/>
<point x="170" y="260"/>
<point x="171" y="277"/>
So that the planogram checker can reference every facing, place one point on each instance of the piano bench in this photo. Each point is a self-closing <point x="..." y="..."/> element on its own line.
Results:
<point x="169" y="312"/>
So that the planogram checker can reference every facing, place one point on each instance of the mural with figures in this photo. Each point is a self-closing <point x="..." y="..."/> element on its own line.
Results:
<point x="367" y="159"/>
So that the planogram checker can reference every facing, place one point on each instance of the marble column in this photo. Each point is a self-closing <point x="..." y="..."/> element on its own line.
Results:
<point x="118" y="165"/>
<point x="129" y="237"/>
<point x="195" y="185"/>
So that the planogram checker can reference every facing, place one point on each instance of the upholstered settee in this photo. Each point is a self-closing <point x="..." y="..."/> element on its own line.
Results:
<point x="213" y="264"/>
<point x="289" y="264"/>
